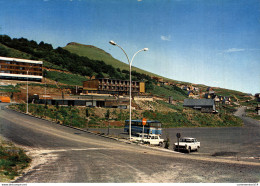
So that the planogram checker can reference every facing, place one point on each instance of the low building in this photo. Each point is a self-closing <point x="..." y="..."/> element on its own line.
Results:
<point x="205" y="105"/>
<point x="87" y="100"/>
<point x="20" y="69"/>
<point x="112" y="86"/>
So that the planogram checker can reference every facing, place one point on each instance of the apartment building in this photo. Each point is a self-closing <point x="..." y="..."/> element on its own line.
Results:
<point x="112" y="86"/>
<point x="20" y="69"/>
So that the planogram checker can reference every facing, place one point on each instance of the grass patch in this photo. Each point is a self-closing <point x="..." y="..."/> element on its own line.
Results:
<point x="12" y="161"/>
<point x="9" y="89"/>
<point x="69" y="116"/>
<point x="66" y="78"/>
<point x="166" y="91"/>
<point x="178" y="106"/>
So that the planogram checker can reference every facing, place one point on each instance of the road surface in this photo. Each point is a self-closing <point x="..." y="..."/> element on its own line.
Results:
<point x="230" y="142"/>
<point x="61" y="154"/>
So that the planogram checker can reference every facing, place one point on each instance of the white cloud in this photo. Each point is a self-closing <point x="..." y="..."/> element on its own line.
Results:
<point x="234" y="50"/>
<point x="166" y="38"/>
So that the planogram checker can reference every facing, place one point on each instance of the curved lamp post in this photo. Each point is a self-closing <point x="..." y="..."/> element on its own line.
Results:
<point x="130" y="81"/>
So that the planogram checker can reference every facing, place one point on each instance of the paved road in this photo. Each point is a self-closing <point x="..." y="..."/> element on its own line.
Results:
<point x="233" y="142"/>
<point x="63" y="154"/>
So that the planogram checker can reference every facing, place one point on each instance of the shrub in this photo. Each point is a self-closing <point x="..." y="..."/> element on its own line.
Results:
<point x="12" y="160"/>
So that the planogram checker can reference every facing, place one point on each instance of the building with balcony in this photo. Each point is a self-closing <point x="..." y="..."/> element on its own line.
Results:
<point x="20" y="69"/>
<point x="112" y="86"/>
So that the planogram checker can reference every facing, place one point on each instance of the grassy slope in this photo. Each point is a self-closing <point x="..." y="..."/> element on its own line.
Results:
<point x="16" y="53"/>
<point x="98" y="54"/>
<point x="66" y="78"/>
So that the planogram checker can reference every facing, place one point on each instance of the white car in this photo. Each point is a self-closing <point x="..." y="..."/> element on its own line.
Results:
<point x="153" y="139"/>
<point x="139" y="137"/>
<point x="187" y="144"/>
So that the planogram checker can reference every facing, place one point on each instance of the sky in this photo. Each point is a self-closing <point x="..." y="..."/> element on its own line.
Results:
<point x="210" y="42"/>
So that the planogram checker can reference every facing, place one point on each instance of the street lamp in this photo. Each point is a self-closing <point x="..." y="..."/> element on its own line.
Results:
<point x="27" y="91"/>
<point x="130" y="81"/>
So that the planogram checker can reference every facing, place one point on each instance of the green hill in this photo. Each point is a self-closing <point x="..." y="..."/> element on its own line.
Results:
<point x="95" y="53"/>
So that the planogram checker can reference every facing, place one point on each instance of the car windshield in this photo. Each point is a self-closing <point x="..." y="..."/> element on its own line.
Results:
<point x="187" y="140"/>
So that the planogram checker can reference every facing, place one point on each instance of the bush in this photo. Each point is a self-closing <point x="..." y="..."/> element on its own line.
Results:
<point x="12" y="160"/>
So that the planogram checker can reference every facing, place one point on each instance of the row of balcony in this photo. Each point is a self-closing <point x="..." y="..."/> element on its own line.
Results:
<point x="20" y="64"/>
<point x="118" y="88"/>
<point x="117" y="82"/>
<point x="18" y="72"/>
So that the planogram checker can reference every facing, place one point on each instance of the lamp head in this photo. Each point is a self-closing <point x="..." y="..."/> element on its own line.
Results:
<point x="112" y="42"/>
<point x="145" y="49"/>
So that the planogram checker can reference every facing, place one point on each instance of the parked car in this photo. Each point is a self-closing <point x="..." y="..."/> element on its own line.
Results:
<point x="187" y="144"/>
<point x="139" y="136"/>
<point x="153" y="139"/>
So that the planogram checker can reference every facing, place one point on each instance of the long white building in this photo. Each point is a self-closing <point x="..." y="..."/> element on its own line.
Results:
<point x="20" y="69"/>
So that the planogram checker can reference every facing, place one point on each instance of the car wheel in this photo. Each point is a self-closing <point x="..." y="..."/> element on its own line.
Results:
<point x="160" y="144"/>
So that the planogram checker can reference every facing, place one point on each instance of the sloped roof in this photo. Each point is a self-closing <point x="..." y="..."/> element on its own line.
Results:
<point x="198" y="102"/>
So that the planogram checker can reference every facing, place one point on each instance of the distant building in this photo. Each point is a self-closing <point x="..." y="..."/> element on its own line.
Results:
<point x="158" y="79"/>
<point x="257" y="96"/>
<point x="20" y="69"/>
<point x="186" y="88"/>
<point x="112" y="86"/>
<point x="196" y="89"/>
<point x="191" y="94"/>
<point x="205" y="105"/>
